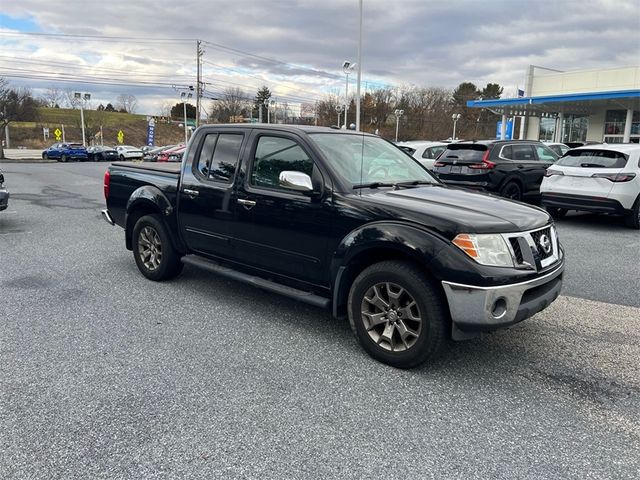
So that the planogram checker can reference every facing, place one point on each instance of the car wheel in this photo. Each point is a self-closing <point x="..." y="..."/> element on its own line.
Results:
<point x="155" y="256"/>
<point x="122" y="158"/>
<point x="556" y="212"/>
<point x="633" y="217"/>
<point x="512" y="191"/>
<point x="45" y="156"/>
<point x="64" y="159"/>
<point x="396" y="313"/>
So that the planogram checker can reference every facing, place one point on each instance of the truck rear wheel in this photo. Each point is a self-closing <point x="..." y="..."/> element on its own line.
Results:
<point x="152" y="249"/>
<point x="397" y="314"/>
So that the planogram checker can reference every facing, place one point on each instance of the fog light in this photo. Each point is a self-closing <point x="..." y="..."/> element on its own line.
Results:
<point x="499" y="308"/>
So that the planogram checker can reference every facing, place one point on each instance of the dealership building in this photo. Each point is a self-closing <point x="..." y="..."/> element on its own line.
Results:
<point x="587" y="105"/>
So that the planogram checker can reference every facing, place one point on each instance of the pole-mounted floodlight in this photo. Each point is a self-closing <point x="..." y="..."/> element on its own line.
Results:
<point x="398" y="113"/>
<point x="347" y="68"/>
<point x="455" y="117"/>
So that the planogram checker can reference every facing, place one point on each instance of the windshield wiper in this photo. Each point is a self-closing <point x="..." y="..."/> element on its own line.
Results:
<point x="373" y="185"/>
<point x="395" y="185"/>
<point x="414" y="183"/>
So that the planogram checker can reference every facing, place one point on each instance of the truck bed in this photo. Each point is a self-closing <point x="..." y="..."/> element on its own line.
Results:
<point x="164" y="167"/>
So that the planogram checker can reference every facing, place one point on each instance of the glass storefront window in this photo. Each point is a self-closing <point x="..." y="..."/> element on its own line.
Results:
<point x="575" y="128"/>
<point x="547" y="128"/>
<point x="614" y="122"/>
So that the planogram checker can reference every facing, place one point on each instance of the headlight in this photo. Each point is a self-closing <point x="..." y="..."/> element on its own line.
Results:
<point x="486" y="249"/>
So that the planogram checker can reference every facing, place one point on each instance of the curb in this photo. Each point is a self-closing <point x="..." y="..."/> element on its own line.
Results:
<point x="26" y="160"/>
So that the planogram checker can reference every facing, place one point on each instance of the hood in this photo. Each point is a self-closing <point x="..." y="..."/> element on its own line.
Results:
<point x="452" y="210"/>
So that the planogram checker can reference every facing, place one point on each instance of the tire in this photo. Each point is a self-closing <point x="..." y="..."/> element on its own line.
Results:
<point x="45" y="156"/>
<point x="512" y="191"/>
<point x="632" y="218"/>
<point x="153" y="251"/>
<point x="557" y="212"/>
<point x="64" y="159"/>
<point x="122" y="158"/>
<point x="395" y="283"/>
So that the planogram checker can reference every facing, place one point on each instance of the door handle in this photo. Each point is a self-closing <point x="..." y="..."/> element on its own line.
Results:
<point x="248" y="204"/>
<point x="190" y="193"/>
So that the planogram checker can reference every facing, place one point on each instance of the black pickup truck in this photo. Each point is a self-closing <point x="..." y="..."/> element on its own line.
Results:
<point x="345" y="221"/>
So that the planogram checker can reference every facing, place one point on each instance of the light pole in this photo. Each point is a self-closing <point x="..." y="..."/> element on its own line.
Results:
<point x="359" y="69"/>
<point x="82" y="97"/>
<point x="398" y="114"/>
<point x="339" y="109"/>
<point x="455" y="117"/>
<point x="272" y="104"/>
<point x="185" y="96"/>
<point x="347" y="68"/>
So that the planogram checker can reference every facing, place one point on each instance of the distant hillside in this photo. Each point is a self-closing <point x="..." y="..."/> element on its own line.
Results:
<point x="133" y="126"/>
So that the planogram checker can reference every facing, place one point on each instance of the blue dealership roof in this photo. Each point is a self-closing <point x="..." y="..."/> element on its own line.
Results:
<point x="570" y="97"/>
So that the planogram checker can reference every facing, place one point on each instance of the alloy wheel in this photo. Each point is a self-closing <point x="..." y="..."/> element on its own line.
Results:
<point x="391" y="316"/>
<point x="150" y="248"/>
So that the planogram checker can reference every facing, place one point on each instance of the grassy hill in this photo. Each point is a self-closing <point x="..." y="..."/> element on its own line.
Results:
<point x="134" y="127"/>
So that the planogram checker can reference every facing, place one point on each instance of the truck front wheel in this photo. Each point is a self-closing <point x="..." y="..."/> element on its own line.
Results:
<point x="152" y="249"/>
<point x="397" y="314"/>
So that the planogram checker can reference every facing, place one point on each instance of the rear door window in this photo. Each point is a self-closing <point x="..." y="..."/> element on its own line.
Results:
<point x="523" y="152"/>
<point x="593" y="159"/>
<point x="433" y="152"/>
<point x="219" y="156"/>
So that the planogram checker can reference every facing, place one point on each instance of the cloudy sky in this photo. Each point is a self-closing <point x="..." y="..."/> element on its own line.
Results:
<point x="296" y="48"/>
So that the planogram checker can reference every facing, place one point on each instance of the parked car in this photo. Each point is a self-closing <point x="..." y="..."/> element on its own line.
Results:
<point x="511" y="168"/>
<point x="176" y="155"/>
<point x="127" y="152"/>
<point x="65" y="152"/>
<point x="345" y="221"/>
<point x="100" y="153"/>
<point x="4" y="193"/>
<point x="423" y="151"/>
<point x="559" y="148"/>
<point x="165" y="154"/>
<point x="151" y="155"/>
<point x="595" y="178"/>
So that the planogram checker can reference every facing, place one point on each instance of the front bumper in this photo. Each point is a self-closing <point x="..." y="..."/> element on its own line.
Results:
<point x="478" y="309"/>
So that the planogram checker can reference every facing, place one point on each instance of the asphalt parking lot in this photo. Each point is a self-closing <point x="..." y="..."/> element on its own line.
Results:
<point x="107" y="375"/>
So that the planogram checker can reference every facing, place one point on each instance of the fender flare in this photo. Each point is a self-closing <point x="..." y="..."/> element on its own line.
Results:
<point x="395" y="237"/>
<point x="151" y="198"/>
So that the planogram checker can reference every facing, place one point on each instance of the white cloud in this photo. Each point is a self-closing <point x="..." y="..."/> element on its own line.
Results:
<point x="427" y="43"/>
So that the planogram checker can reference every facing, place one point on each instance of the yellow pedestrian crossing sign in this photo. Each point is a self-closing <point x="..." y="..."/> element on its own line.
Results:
<point x="120" y="136"/>
<point x="58" y="134"/>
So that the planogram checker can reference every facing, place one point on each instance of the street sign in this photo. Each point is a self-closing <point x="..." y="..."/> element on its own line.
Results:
<point x="151" y="131"/>
<point x="58" y="134"/>
<point x="120" y="136"/>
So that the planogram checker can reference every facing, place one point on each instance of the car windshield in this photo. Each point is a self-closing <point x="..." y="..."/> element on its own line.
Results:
<point x="593" y="159"/>
<point x="365" y="159"/>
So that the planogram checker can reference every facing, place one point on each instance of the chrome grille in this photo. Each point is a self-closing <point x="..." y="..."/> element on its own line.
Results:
<point x="528" y="248"/>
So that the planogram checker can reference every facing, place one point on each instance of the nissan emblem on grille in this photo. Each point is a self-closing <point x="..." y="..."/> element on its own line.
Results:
<point x="545" y="243"/>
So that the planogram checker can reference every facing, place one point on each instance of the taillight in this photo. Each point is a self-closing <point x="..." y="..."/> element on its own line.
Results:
<point x="615" y="177"/>
<point x="107" y="181"/>
<point x="486" y="164"/>
<point x="438" y="164"/>
<point x="550" y="172"/>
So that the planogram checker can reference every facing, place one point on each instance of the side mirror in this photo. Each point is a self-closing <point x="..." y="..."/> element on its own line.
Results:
<point x="298" y="181"/>
<point x="1" y="179"/>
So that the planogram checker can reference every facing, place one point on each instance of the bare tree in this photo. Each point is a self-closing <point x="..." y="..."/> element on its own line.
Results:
<point x="127" y="102"/>
<point x="232" y="104"/>
<point x="53" y="96"/>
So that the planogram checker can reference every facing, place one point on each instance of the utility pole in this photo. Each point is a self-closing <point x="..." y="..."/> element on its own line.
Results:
<point x="199" y="53"/>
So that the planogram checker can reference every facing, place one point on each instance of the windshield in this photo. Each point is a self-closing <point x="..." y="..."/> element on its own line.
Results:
<point x="365" y="159"/>
<point x="593" y="159"/>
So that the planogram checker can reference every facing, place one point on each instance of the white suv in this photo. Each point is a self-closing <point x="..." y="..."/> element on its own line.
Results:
<point x="595" y="178"/>
<point x="423" y="151"/>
